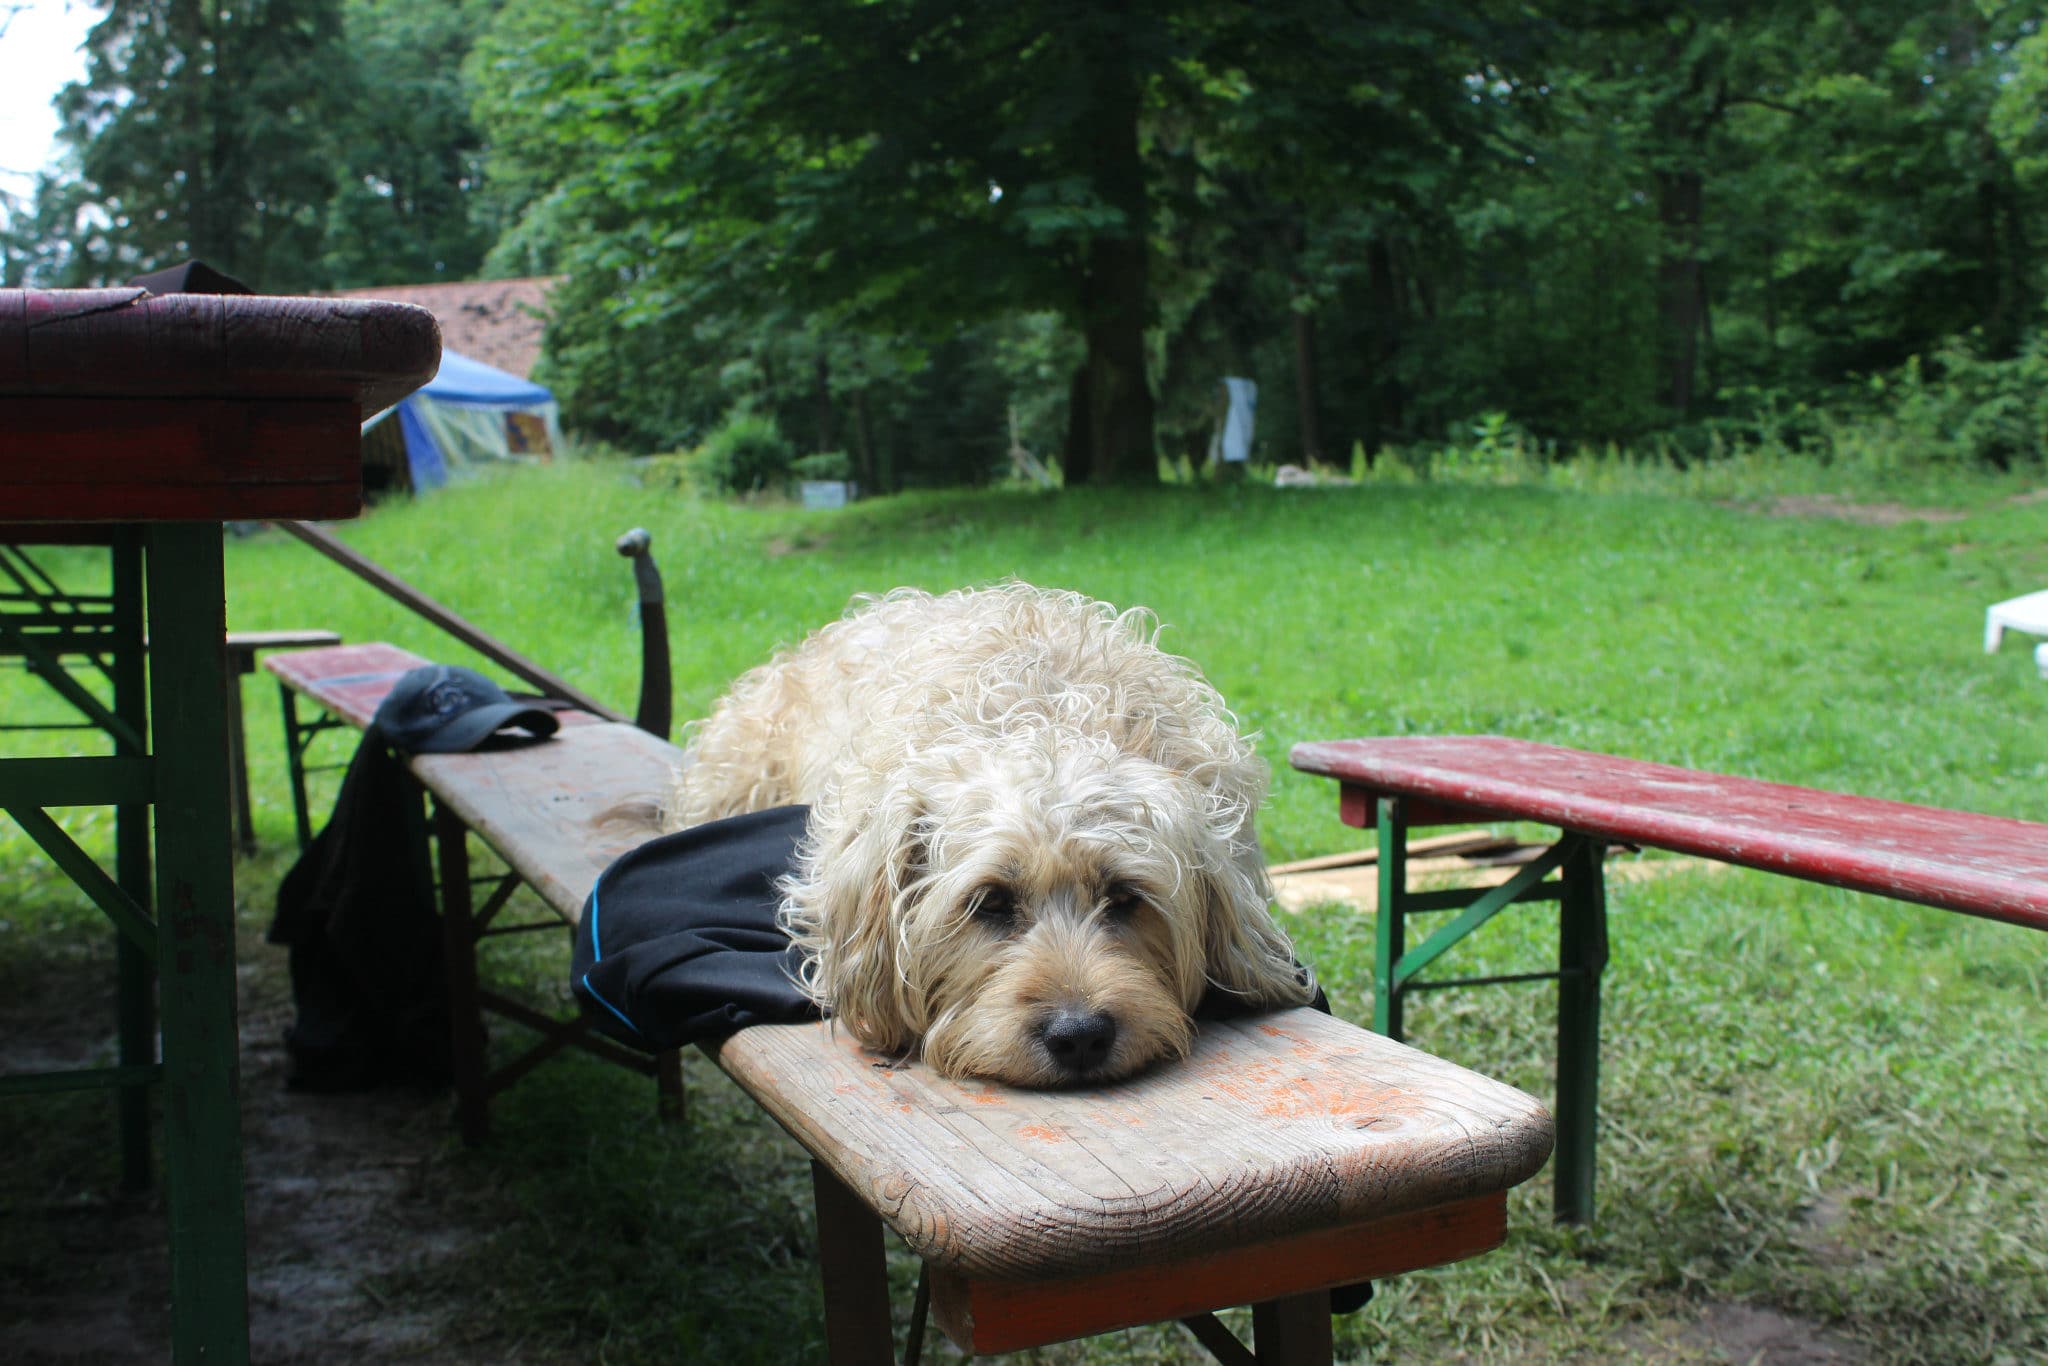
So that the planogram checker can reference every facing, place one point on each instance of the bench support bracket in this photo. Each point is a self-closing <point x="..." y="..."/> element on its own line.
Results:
<point x="1580" y="891"/>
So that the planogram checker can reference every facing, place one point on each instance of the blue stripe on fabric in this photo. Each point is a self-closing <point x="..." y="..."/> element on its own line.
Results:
<point x="596" y="952"/>
<point x="608" y="1005"/>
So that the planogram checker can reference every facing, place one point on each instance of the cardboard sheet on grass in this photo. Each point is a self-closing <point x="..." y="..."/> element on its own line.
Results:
<point x="1464" y="858"/>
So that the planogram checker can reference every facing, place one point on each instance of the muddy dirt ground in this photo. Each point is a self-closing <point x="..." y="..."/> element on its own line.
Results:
<point x="344" y="1192"/>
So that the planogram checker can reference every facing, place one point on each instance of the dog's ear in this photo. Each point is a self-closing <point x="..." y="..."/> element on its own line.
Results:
<point x="1246" y="953"/>
<point x="847" y="911"/>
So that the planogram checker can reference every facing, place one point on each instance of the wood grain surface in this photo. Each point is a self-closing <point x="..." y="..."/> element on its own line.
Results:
<point x="348" y="680"/>
<point x="1991" y="866"/>
<point x="558" y="810"/>
<point x="210" y="459"/>
<point x="1277" y="1125"/>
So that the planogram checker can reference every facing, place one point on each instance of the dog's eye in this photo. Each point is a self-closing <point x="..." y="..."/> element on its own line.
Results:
<point x="1121" y="903"/>
<point x="995" y="907"/>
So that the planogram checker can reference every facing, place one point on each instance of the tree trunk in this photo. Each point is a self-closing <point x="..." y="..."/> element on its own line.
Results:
<point x="2006" y="264"/>
<point x="1384" y="415"/>
<point x="1119" y="399"/>
<point x="1077" y="459"/>
<point x="221" y="211"/>
<point x="1115" y="283"/>
<point x="1679" y="196"/>
<point x="1771" y="295"/>
<point x="1710" y="360"/>
<point x="1305" y="388"/>
<point x="870" y="477"/>
<point x="821" y="390"/>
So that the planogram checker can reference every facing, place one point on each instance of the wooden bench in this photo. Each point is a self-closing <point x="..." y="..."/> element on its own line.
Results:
<point x="570" y="786"/>
<point x="1986" y="866"/>
<point x="1291" y="1153"/>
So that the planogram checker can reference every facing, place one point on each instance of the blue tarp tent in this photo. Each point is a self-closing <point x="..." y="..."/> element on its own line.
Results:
<point x="471" y="414"/>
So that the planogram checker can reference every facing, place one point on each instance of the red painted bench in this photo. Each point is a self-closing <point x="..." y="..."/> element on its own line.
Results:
<point x="1988" y="866"/>
<point x="1290" y="1153"/>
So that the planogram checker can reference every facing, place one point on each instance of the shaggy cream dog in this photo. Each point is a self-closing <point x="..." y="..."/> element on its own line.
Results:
<point x="1030" y="849"/>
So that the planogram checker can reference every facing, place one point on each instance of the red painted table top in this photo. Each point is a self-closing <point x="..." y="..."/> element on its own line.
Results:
<point x="117" y="405"/>
<point x="1991" y="866"/>
<point x="129" y="343"/>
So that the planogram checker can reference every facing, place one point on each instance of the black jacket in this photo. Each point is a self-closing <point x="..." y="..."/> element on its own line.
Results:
<point x="678" y="942"/>
<point x="357" y="911"/>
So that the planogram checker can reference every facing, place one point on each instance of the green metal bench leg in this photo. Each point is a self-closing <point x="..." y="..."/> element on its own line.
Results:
<point x="1390" y="931"/>
<point x="241" y="818"/>
<point x="465" y="1013"/>
<point x="196" y="955"/>
<point x="135" y="999"/>
<point x="135" y="1039"/>
<point x="1582" y="954"/>
<point x="296" y="738"/>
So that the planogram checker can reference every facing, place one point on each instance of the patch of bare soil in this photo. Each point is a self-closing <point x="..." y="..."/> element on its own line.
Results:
<point x="340" y="1192"/>
<point x="1842" y="509"/>
<point x="1753" y="1334"/>
<point x="779" y="547"/>
<point x="1744" y="1335"/>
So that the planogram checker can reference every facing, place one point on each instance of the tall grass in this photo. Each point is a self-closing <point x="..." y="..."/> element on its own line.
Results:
<point x="1825" y="1104"/>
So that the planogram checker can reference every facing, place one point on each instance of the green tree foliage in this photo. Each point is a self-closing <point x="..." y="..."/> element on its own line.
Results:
<point x="408" y="203"/>
<point x="917" y="168"/>
<point x="294" y="144"/>
<point x="1718" y="205"/>
<point x="917" y="231"/>
<point x="201" y="131"/>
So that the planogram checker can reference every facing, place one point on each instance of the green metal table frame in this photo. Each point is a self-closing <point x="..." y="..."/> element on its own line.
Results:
<point x="44" y="624"/>
<point x="189" y="940"/>
<point x="1569" y="873"/>
<point x="158" y="419"/>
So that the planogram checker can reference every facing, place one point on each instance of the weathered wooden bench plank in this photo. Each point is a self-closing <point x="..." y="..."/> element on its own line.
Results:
<point x="348" y="680"/>
<point x="1290" y="1153"/>
<point x="556" y="812"/>
<point x="1989" y="866"/>
<point x="1275" y="1124"/>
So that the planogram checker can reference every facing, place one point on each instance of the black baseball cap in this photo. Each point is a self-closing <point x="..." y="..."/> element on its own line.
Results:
<point x="446" y="709"/>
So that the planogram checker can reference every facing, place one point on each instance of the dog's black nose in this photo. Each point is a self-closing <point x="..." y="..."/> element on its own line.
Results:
<point x="1078" y="1041"/>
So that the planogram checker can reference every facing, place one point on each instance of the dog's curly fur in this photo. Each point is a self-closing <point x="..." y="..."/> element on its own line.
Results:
<point x="1030" y="850"/>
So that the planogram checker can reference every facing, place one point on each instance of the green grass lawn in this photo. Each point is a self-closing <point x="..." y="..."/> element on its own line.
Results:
<point x="1823" y="1105"/>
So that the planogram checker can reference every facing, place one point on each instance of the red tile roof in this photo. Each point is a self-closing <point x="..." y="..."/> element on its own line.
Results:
<point x="498" y="322"/>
